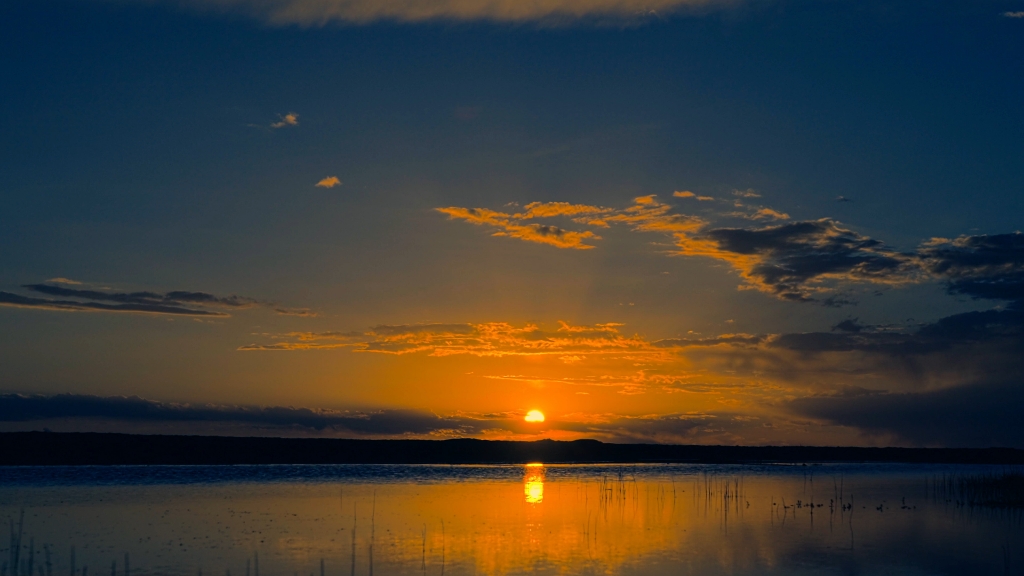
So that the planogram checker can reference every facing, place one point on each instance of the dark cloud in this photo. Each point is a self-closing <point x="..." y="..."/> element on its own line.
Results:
<point x="175" y="297"/>
<point x="15" y="300"/>
<point x="789" y="260"/>
<point x="19" y="408"/>
<point x="984" y="266"/>
<point x="976" y="415"/>
<point x="689" y="428"/>
<point x="848" y="325"/>
<point x="119" y="413"/>
<point x="176" y="302"/>
<point x="960" y="329"/>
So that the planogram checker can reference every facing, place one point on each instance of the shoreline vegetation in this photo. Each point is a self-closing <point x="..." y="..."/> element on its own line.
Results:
<point x="63" y="449"/>
<point x="1002" y="490"/>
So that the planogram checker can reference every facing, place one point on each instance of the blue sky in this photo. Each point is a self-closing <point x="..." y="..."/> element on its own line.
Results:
<point x="149" y="147"/>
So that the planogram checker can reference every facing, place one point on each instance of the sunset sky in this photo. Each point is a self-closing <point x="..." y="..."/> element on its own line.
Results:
<point x="710" y="221"/>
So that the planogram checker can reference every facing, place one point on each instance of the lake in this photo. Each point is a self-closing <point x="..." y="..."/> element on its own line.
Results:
<point x="496" y="520"/>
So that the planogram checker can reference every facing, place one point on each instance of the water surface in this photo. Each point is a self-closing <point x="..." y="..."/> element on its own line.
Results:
<point x="536" y="519"/>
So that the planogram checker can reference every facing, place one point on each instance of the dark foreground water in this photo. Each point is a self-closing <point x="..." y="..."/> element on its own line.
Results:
<point x="396" y="520"/>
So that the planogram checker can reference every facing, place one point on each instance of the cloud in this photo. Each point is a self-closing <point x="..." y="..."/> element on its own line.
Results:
<point x="1013" y="14"/>
<point x="329" y="182"/>
<point x="769" y="214"/>
<point x="848" y="325"/>
<point x="688" y="194"/>
<point x="795" y="261"/>
<point x="289" y="119"/>
<point x="983" y="266"/>
<point x="511" y="226"/>
<point x="748" y="193"/>
<point x="17" y="301"/>
<point x="25" y="408"/>
<point x="975" y="415"/>
<point x="176" y="302"/>
<point x="322" y="12"/>
<point x="64" y="281"/>
<point x="731" y="339"/>
<point x="127" y="413"/>
<point x="552" y="209"/>
<point x="86" y="412"/>
<point x="300" y="312"/>
<point x="491" y="339"/>
<point x="744" y="387"/>
<point x="173" y="297"/>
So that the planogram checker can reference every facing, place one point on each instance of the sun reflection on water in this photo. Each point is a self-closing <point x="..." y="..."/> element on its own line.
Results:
<point x="533" y="483"/>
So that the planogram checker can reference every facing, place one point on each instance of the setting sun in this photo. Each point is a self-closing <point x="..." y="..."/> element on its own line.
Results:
<point x="534" y="416"/>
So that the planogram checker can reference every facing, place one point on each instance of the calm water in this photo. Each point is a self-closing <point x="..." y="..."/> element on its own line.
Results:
<point x="395" y="520"/>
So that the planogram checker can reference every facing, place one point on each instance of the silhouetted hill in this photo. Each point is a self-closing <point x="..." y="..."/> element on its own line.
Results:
<point x="49" y="448"/>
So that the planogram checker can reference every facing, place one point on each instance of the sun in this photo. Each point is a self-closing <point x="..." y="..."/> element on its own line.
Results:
<point x="534" y="416"/>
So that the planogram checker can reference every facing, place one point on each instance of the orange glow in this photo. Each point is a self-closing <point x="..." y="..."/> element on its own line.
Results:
<point x="533" y="483"/>
<point x="534" y="416"/>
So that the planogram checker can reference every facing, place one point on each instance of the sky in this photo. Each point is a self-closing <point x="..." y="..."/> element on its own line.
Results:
<point x="694" y="221"/>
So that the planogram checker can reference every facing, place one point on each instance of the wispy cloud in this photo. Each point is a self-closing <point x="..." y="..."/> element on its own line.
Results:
<point x="175" y="302"/>
<point x="18" y="301"/>
<point x="22" y="408"/>
<point x="491" y="339"/>
<point x="513" y="227"/>
<point x="1014" y="14"/>
<point x="286" y="120"/>
<point x="300" y="312"/>
<point x="321" y="12"/>
<point x="329" y="182"/>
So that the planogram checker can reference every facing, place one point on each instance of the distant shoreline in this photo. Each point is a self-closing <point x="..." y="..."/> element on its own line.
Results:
<point x="55" y="449"/>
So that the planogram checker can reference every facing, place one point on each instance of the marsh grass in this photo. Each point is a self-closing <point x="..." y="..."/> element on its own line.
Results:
<point x="996" y="490"/>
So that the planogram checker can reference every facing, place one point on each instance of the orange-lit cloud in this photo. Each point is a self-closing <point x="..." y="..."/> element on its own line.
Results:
<point x="511" y="226"/>
<point x="552" y="209"/>
<point x="329" y="182"/>
<point x="769" y="214"/>
<point x="490" y="339"/>
<point x="289" y="119"/>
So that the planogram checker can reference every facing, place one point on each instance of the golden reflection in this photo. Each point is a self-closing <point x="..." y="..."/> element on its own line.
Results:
<point x="604" y="520"/>
<point x="533" y="483"/>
